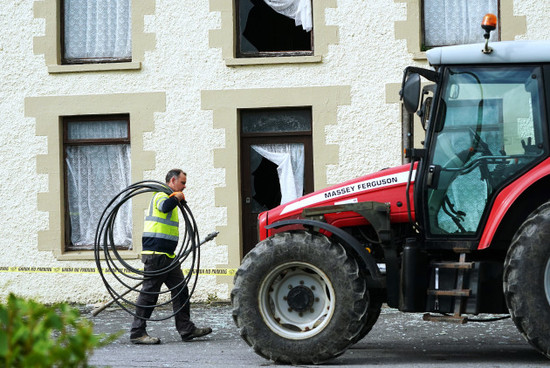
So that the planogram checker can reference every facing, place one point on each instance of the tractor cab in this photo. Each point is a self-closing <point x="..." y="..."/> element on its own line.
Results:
<point x="485" y="127"/>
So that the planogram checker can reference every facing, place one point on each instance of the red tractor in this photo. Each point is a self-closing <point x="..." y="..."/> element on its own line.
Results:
<point x="461" y="230"/>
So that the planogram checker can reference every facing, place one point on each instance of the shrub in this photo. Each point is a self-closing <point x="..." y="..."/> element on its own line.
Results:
<point x="36" y="335"/>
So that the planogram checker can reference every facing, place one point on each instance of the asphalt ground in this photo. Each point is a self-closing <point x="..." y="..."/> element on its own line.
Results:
<point x="397" y="340"/>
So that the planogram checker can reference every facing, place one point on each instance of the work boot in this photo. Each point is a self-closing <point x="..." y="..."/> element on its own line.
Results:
<point x="197" y="332"/>
<point x="145" y="340"/>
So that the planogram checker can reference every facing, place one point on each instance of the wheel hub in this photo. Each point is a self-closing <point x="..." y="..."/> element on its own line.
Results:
<point x="300" y="298"/>
<point x="297" y="300"/>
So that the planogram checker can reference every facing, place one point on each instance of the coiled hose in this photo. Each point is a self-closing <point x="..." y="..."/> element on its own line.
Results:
<point x="105" y="251"/>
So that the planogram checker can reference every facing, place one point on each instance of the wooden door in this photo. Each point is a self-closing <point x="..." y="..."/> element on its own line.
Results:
<point x="260" y="182"/>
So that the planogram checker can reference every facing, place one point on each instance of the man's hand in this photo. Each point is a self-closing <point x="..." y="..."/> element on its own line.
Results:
<point x="178" y="195"/>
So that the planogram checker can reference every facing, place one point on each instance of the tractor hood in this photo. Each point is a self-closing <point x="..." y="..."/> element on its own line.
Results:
<point x="387" y="186"/>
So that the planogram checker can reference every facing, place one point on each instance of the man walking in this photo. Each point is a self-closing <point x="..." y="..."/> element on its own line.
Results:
<point x="159" y="241"/>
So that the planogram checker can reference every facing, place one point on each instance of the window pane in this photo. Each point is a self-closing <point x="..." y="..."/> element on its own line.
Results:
<point x="94" y="175"/>
<point x="454" y="22"/>
<point x="97" y="29"/>
<point x="492" y="131"/>
<point x="97" y="129"/>
<point x="277" y="174"/>
<point x="262" y="29"/>
<point x="275" y="120"/>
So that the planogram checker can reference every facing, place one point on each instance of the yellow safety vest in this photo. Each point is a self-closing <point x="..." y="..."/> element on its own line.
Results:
<point x="159" y="224"/>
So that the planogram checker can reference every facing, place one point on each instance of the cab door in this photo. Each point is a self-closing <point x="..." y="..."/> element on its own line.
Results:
<point x="488" y="130"/>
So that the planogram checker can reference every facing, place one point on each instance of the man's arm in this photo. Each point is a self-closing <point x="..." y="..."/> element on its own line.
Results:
<point x="166" y="204"/>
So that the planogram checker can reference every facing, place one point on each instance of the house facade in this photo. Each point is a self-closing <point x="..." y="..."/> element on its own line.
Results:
<point x="99" y="94"/>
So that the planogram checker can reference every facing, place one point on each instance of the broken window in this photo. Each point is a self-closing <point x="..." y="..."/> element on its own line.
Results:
<point x="274" y="28"/>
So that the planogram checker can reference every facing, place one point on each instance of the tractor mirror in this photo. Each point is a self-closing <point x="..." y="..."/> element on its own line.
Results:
<point x="411" y="92"/>
<point x="424" y="112"/>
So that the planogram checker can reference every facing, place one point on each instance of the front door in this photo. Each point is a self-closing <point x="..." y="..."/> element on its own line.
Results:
<point x="276" y="163"/>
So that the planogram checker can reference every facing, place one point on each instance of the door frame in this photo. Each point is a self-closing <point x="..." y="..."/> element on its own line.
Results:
<point x="248" y="220"/>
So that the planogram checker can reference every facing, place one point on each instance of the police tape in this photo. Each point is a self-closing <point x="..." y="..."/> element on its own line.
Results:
<point x="90" y="270"/>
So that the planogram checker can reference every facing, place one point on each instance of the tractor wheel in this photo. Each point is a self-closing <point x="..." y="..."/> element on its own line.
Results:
<point x="527" y="279"/>
<point x="375" y="301"/>
<point x="299" y="298"/>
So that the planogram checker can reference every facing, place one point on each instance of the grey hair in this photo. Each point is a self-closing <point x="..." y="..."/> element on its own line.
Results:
<point x="174" y="173"/>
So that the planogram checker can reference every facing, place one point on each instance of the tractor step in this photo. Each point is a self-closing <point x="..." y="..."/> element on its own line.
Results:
<point x="454" y="265"/>
<point x="456" y="292"/>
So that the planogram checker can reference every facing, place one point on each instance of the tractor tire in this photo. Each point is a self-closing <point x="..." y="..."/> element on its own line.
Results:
<point x="527" y="279"/>
<point x="299" y="298"/>
<point x="375" y="301"/>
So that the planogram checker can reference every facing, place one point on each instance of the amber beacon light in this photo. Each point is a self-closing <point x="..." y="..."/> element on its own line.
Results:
<point x="489" y="24"/>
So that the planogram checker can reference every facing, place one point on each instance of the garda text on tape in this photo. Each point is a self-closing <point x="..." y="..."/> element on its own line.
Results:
<point x="203" y="271"/>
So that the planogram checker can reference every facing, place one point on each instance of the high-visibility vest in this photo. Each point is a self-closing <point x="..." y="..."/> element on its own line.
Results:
<point x="159" y="224"/>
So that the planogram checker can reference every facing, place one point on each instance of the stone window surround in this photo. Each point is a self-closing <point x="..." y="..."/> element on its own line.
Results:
<point x="50" y="44"/>
<point x="411" y="30"/>
<point x="225" y="37"/>
<point x="225" y="105"/>
<point x="48" y="112"/>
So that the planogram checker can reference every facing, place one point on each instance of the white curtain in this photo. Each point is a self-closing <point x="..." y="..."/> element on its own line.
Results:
<point x="289" y="159"/>
<point x="97" y="29"/>
<point x="299" y="10"/>
<point x="95" y="174"/>
<point x="454" y="22"/>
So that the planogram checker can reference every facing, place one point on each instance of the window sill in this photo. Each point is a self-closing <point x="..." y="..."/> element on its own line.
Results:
<point x="85" y="255"/>
<point x="273" y="60"/>
<point x="421" y="55"/>
<point x="79" y="68"/>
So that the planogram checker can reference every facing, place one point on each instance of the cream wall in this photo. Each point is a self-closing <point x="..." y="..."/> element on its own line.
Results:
<point x="182" y="55"/>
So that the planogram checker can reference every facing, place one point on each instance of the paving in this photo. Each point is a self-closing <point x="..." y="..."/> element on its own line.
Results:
<point x="397" y="340"/>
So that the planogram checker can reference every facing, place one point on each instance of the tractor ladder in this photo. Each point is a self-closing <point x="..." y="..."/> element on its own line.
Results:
<point x="459" y="292"/>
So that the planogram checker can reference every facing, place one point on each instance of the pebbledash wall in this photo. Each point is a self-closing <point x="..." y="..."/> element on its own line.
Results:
<point x="182" y="90"/>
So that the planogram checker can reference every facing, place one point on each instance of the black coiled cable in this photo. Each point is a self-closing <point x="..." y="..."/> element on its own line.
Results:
<point x="105" y="251"/>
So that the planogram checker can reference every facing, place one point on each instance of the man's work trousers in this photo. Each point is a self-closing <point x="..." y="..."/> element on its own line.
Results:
<point x="149" y="294"/>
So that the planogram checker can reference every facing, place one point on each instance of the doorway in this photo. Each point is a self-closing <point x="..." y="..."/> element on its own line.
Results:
<point x="276" y="163"/>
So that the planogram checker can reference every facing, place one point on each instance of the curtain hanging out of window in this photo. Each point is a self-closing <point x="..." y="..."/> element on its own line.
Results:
<point x="289" y="159"/>
<point x="299" y="10"/>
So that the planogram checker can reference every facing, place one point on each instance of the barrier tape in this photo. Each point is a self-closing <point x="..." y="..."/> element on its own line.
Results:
<point x="203" y="271"/>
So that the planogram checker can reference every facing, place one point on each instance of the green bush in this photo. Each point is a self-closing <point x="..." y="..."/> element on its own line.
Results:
<point x="35" y="335"/>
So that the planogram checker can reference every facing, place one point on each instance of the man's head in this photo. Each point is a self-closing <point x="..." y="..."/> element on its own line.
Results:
<point x="176" y="180"/>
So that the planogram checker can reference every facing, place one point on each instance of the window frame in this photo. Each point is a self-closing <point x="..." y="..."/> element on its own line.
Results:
<point x="93" y="60"/>
<point x="50" y="44"/>
<point x="267" y="54"/>
<point x="68" y="246"/>
<point x="423" y="46"/>
<point x="225" y="37"/>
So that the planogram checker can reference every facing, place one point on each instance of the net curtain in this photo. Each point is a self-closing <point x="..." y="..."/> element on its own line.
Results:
<point x="452" y="22"/>
<point x="95" y="174"/>
<point x="289" y="159"/>
<point x="97" y="29"/>
<point x="299" y="10"/>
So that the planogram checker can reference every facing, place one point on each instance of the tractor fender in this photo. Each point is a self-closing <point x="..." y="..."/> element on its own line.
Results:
<point x="349" y="242"/>
<point x="507" y="197"/>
